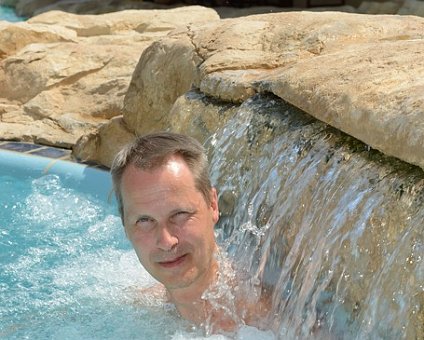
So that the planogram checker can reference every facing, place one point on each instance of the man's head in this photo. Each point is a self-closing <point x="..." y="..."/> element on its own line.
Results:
<point x="152" y="151"/>
<point x="168" y="207"/>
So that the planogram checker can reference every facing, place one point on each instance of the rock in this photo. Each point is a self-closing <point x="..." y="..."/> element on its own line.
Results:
<point x="192" y="113"/>
<point x="153" y="21"/>
<point x="102" y="145"/>
<point x="17" y="126"/>
<point x="199" y="116"/>
<point x="8" y="106"/>
<point x="71" y="73"/>
<point x="16" y="36"/>
<point x="29" y="8"/>
<point x="341" y="68"/>
<point x="50" y="66"/>
<point x="374" y="95"/>
<point x="77" y="86"/>
<point x="169" y="65"/>
<point x="229" y="60"/>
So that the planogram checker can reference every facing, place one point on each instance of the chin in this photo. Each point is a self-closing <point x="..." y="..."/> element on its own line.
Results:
<point x="180" y="281"/>
<point x="176" y="282"/>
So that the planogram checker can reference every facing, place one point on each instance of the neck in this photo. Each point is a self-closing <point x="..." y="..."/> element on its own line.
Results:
<point x="188" y="300"/>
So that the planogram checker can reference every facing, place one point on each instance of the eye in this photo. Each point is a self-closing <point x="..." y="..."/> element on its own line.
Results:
<point x="145" y="223"/>
<point x="181" y="216"/>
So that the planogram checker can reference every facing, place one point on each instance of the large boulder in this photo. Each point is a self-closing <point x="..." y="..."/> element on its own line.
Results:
<point x="14" y="37"/>
<point x="62" y="76"/>
<point x="362" y="74"/>
<point x="374" y="95"/>
<point x="147" y="22"/>
<point x="102" y="145"/>
<point x="171" y="66"/>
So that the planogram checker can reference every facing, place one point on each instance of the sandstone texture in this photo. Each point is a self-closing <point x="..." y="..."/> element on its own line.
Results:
<point x="363" y="74"/>
<point x="93" y="82"/>
<point x="64" y="75"/>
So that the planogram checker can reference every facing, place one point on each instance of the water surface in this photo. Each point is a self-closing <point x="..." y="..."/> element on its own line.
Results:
<point x="68" y="272"/>
<point x="333" y="228"/>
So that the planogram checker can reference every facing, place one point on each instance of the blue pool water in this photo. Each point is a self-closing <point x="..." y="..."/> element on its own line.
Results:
<point x="66" y="268"/>
<point x="8" y="14"/>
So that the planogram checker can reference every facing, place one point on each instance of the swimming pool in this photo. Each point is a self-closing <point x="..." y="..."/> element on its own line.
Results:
<point x="66" y="268"/>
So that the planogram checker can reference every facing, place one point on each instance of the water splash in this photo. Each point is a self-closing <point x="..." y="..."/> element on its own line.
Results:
<point x="328" y="229"/>
<point x="67" y="271"/>
<point x="66" y="268"/>
<point x="331" y="227"/>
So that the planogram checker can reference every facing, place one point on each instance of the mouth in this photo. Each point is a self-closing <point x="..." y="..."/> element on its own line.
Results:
<point x="173" y="262"/>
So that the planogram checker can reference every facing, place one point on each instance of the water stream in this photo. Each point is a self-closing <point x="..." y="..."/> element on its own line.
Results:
<point x="327" y="228"/>
<point x="332" y="229"/>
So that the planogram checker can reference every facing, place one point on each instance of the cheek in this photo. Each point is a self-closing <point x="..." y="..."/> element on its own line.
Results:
<point x="143" y="256"/>
<point x="202" y="239"/>
<point x="141" y="245"/>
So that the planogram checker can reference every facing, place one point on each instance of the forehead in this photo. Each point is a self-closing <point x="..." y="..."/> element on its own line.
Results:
<point x="173" y="176"/>
<point x="173" y="168"/>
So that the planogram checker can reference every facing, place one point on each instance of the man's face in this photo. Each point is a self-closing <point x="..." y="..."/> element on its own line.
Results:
<point x="169" y="223"/>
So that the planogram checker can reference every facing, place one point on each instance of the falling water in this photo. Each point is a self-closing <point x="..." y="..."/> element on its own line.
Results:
<point x="327" y="228"/>
<point x="331" y="228"/>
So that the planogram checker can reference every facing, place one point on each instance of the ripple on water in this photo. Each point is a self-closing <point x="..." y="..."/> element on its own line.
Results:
<point x="67" y="271"/>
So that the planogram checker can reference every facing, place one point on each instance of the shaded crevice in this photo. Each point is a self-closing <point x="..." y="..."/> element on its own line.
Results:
<point x="196" y="49"/>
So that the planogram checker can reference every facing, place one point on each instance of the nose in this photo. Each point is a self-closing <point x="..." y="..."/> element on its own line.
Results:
<point x="166" y="240"/>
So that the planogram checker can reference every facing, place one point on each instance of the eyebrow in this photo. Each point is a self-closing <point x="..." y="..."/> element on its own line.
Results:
<point x="137" y="216"/>
<point x="188" y="209"/>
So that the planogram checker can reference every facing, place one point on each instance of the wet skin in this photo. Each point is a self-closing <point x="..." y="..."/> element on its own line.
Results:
<point x="171" y="227"/>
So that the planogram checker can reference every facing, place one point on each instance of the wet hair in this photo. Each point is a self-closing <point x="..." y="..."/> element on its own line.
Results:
<point x="151" y="151"/>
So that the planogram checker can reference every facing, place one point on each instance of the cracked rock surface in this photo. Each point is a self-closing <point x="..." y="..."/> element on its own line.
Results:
<point x="63" y="75"/>
<point x="363" y="74"/>
<point x="91" y="82"/>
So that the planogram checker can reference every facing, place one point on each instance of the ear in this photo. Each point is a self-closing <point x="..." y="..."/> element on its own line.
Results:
<point x="214" y="205"/>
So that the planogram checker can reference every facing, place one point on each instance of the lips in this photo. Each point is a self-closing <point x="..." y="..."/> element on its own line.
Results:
<point x="173" y="262"/>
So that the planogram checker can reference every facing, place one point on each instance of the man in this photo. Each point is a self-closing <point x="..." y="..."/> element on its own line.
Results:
<point x="169" y="208"/>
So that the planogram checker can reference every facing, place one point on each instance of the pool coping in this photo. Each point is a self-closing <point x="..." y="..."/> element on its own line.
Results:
<point x="52" y="152"/>
<point x="20" y="159"/>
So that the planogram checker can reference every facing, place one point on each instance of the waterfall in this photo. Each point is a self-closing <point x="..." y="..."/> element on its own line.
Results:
<point x="329" y="228"/>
